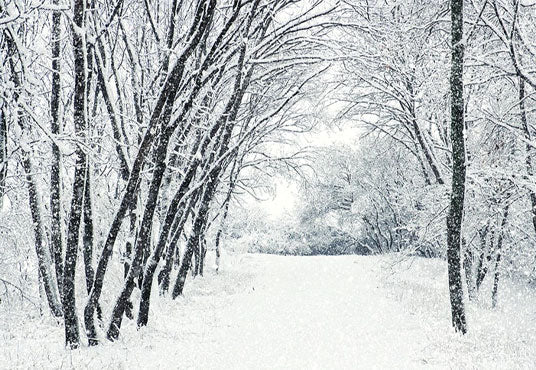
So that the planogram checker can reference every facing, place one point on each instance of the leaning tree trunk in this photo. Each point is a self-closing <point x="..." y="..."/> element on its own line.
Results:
<point x="172" y="253"/>
<point x="228" y="120"/>
<point x="193" y="240"/>
<point x="150" y="268"/>
<point x="43" y="255"/>
<point x="455" y="216"/>
<point x="72" y="336"/>
<point x="144" y="238"/>
<point x="88" y="232"/>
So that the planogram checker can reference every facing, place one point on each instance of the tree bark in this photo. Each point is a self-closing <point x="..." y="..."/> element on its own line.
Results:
<point x="455" y="216"/>
<point x="150" y="269"/>
<point x="3" y="154"/>
<point x="88" y="232"/>
<point x="72" y="335"/>
<point x="43" y="254"/>
<point x="528" y="136"/>
<point x="172" y="251"/>
<point x="498" y="257"/>
<point x="228" y="121"/>
<point x="143" y="242"/>
<point x="193" y="240"/>
<point x="55" y="172"/>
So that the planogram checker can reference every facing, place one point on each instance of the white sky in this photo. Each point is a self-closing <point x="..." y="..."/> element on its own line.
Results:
<point x="285" y="196"/>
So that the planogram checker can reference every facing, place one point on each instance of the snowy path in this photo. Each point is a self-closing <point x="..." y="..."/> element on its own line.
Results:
<point x="275" y="312"/>
<point x="316" y="312"/>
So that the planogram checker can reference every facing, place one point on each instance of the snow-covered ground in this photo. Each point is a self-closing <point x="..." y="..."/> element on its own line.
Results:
<point x="267" y="311"/>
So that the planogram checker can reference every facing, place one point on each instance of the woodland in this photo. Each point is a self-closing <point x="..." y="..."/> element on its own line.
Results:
<point x="135" y="135"/>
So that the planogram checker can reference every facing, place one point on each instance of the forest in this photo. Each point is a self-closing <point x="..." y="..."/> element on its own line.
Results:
<point x="140" y="140"/>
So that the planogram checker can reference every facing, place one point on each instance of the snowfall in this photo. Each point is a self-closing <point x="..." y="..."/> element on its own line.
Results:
<point x="275" y="312"/>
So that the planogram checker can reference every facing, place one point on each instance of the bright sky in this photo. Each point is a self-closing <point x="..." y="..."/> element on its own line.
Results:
<point x="286" y="190"/>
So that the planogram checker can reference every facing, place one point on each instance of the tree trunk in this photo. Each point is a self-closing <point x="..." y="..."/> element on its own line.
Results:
<point x="72" y="336"/>
<point x="498" y="257"/>
<point x="529" y="149"/>
<point x="172" y="254"/>
<point x="3" y="154"/>
<point x="88" y="232"/>
<point x="150" y="269"/>
<point x="43" y="253"/>
<point x="455" y="216"/>
<point x="143" y="240"/>
<point x="55" y="174"/>
<point x="193" y="240"/>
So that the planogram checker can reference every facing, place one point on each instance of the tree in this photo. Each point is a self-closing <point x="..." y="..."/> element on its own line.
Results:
<point x="455" y="216"/>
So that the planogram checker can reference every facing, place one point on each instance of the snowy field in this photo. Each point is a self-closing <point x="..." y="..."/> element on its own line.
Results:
<point x="267" y="311"/>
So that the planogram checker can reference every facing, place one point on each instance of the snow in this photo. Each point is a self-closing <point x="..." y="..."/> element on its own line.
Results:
<point x="264" y="311"/>
<point x="5" y="205"/>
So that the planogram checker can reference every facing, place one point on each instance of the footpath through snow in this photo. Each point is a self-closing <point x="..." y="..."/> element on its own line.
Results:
<point x="266" y="311"/>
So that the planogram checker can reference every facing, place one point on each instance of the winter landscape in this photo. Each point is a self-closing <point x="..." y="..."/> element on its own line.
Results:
<point x="288" y="184"/>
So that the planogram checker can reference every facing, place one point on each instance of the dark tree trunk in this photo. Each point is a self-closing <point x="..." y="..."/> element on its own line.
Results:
<point x="228" y="120"/>
<point x="55" y="177"/>
<point x="172" y="254"/>
<point x="193" y="240"/>
<point x="529" y="149"/>
<point x="150" y="269"/>
<point x="143" y="241"/>
<point x="3" y="154"/>
<point x="455" y="216"/>
<point x="484" y="253"/>
<point x="72" y="336"/>
<point x="88" y="232"/>
<point x="498" y="257"/>
<point x="43" y="257"/>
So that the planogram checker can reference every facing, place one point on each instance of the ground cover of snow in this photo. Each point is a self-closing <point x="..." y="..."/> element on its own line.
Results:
<point x="264" y="311"/>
